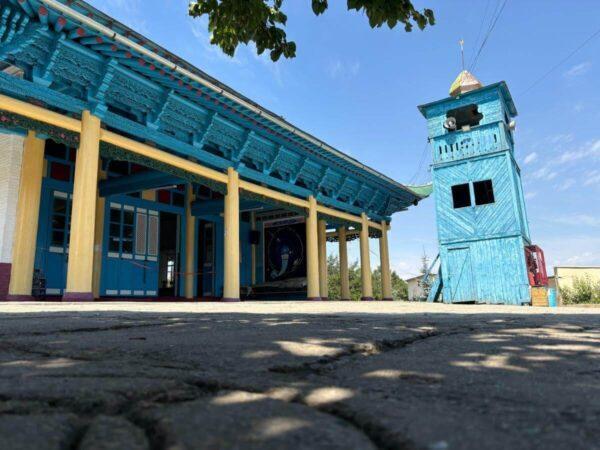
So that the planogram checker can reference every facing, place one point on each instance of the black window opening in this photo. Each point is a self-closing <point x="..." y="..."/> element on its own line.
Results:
<point x="484" y="192"/>
<point x="461" y="195"/>
<point x="466" y="116"/>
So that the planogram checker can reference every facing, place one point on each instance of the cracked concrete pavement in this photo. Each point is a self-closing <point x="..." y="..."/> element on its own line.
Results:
<point x="298" y="375"/>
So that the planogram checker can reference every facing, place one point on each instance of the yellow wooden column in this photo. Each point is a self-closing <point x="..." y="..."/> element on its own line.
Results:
<point x="384" y="252"/>
<point x="149" y="195"/>
<point x="312" y="252"/>
<point x="323" y="279"/>
<point x="190" y="245"/>
<point x="98" y="238"/>
<point x="83" y="215"/>
<point x="253" y="248"/>
<point x="231" y="282"/>
<point x="26" y="224"/>
<point x="344" y="275"/>
<point x="365" y="260"/>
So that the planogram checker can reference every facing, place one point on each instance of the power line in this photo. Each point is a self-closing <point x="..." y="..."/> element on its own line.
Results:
<point x="421" y="161"/>
<point x="476" y="41"/>
<point x="488" y="34"/>
<point x="561" y="62"/>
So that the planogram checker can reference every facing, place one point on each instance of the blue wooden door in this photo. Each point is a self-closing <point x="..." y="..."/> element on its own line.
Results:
<point x="461" y="286"/>
<point x="130" y="267"/>
<point x="206" y="261"/>
<point x="53" y="254"/>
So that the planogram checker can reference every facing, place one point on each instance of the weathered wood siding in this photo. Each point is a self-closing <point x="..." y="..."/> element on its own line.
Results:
<point x="481" y="246"/>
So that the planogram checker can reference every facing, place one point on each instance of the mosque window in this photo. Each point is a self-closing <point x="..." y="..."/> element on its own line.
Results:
<point x="464" y="117"/>
<point x="461" y="195"/>
<point x="484" y="192"/>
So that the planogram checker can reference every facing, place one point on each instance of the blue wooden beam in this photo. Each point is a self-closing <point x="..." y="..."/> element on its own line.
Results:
<point x="216" y="206"/>
<point x="136" y="183"/>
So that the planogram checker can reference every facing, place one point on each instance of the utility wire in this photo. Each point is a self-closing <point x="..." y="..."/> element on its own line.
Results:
<point x="561" y="62"/>
<point x="421" y="161"/>
<point x="476" y="41"/>
<point x="489" y="32"/>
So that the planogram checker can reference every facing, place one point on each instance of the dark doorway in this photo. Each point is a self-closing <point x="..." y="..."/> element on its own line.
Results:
<point x="169" y="255"/>
<point x="206" y="259"/>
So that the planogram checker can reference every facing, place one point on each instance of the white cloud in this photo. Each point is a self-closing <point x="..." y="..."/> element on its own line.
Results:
<point x="199" y="29"/>
<point x="563" y="138"/>
<point x="575" y="249"/>
<point x="338" y="69"/>
<point x="130" y="12"/>
<point x="578" y="220"/>
<point x="566" y="184"/>
<point x="530" y="158"/>
<point x="592" y="178"/>
<point x="589" y="150"/>
<point x="578" y="69"/>
<point x="530" y="195"/>
<point x="544" y="173"/>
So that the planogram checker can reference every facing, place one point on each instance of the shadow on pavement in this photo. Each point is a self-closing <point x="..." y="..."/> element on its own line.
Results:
<point x="133" y="379"/>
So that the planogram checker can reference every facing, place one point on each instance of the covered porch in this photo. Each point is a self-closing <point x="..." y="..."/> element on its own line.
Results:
<point x="142" y="177"/>
<point x="105" y="197"/>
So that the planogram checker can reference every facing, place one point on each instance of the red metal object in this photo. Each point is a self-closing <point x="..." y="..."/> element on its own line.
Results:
<point x="536" y="266"/>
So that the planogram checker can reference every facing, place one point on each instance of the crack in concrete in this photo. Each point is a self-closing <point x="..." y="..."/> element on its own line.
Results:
<point x="327" y="364"/>
<point x="89" y="329"/>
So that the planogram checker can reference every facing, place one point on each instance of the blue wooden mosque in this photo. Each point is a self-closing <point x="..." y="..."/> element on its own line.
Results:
<point x="485" y="246"/>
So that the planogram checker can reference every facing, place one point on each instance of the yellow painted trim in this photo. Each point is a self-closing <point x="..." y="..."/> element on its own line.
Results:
<point x="384" y="253"/>
<point x="83" y="215"/>
<point x="98" y="237"/>
<point x="344" y="273"/>
<point x="365" y="260"/>
<point x="149" y="195"/>
<point x="162" y="156"/>
<point x="26" y="224"/>
<point x="38" y="113"/>
<point x="275" y="195"/>
<point x="323" y="279"/>
<point x="46" y="116"/>
<point x="190" y="243"/>
<point x="231" y="281"/>
<point x="346" y="216"/>
<point x="312" y="251"/>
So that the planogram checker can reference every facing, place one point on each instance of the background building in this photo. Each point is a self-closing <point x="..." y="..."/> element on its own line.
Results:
<point x="416" y="291"/>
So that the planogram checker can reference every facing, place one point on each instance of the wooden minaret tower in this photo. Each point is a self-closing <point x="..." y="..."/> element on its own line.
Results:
<point x="485" y="247"/>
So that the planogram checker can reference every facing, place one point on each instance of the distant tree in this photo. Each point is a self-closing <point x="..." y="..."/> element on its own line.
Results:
<point x="399" y="286"/>
<point x="333" y="275"/>
<point x="584" y="290"/>
<point x="235" y="22"/>
<point x="425" y="284"/>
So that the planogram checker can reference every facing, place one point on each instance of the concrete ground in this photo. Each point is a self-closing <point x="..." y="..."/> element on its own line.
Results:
<point x="275" y="375"/>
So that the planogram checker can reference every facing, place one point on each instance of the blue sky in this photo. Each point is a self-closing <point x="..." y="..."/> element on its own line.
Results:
<point x="358" y="89"/>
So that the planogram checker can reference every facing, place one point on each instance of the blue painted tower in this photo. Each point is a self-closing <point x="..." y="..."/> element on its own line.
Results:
<point x="481" y="219"/>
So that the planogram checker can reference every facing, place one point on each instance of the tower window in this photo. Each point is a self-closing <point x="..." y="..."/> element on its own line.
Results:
<point x="466" y="116"/>
<point x="484" y="192"/>
<point x="461" y="195"/>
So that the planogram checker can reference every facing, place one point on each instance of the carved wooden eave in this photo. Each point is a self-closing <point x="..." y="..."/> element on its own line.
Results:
<point x="69" y="67"/>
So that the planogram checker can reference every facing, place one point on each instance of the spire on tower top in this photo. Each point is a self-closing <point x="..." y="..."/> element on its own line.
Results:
<point x="465" y="82"/>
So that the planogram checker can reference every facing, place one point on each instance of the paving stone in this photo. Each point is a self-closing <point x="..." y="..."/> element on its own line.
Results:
<point x="246" y="421"/>
<point x="48" y="432"/>
<point x="390" y="375"/>
<point x="113" y="433"/>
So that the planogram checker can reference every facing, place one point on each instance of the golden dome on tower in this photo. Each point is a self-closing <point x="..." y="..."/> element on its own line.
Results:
<point x="465" y="82"/>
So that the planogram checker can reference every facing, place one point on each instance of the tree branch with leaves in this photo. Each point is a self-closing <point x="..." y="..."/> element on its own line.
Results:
<point x="235" y="22"/>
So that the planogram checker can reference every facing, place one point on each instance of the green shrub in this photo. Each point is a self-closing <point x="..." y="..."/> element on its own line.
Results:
<point x="584" y="290"/>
